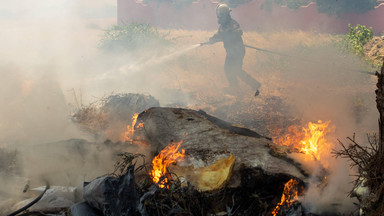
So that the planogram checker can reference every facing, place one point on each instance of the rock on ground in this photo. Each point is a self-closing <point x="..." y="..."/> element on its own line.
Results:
<point x="207" y="139"/>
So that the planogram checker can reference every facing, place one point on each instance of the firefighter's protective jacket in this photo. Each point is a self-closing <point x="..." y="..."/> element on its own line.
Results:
<point x="230" y="33"/>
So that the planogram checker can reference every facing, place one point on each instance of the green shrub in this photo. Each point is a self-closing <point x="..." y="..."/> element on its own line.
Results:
<point x="130" y="37"/>
<point x="356" y="38"/>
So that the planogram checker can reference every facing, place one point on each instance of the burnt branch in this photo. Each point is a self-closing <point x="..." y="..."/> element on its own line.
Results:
<point x="359" y="155"/>
<point x="126" y="160"/>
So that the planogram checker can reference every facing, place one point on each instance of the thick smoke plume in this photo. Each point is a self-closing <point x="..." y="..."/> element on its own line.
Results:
<point x="46" y="46"/>
<point x="50" y="66"/>
<point x="325" y="85"/>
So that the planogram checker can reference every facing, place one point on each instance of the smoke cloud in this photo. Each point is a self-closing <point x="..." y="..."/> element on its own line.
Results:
<point x="324" y="84"/>
<point x="46" y="46"/>
<point x="50" y="65"/>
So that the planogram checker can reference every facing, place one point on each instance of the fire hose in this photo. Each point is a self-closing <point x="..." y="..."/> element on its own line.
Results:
<point x="31" y="203"/>
<point x="307" y="60"/>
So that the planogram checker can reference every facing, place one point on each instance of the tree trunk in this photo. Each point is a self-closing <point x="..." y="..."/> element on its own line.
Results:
<point x="380" y="107"/>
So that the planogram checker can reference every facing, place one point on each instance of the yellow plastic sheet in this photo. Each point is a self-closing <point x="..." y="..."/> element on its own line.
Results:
<point x="207" y="178"/>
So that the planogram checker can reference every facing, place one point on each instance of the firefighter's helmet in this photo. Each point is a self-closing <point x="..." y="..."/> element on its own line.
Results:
<point x="222" y="10"/>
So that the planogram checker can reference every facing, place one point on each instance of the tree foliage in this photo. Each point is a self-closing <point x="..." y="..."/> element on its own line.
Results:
<point x="293" y="4"/>
<point x="330" y="7"/>
<point x="339" y="7"/>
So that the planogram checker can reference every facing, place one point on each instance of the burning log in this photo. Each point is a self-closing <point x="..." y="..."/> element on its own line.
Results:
<point x="207" y="139"/>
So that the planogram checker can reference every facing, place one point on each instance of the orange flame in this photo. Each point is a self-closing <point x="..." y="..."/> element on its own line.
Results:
<point x="128" y="134"/>
<point x="310" y="140"/>
<point x="169" y="155"/>
<point x="290" y="195"/>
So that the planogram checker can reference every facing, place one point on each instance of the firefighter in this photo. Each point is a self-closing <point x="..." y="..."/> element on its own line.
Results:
<point x="229" y="33"/>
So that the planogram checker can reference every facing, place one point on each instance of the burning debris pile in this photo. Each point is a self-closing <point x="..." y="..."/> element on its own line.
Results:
<point x="199" y="160"/>
<point x="203" y="166"/>
<point x="199" y="164"/>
